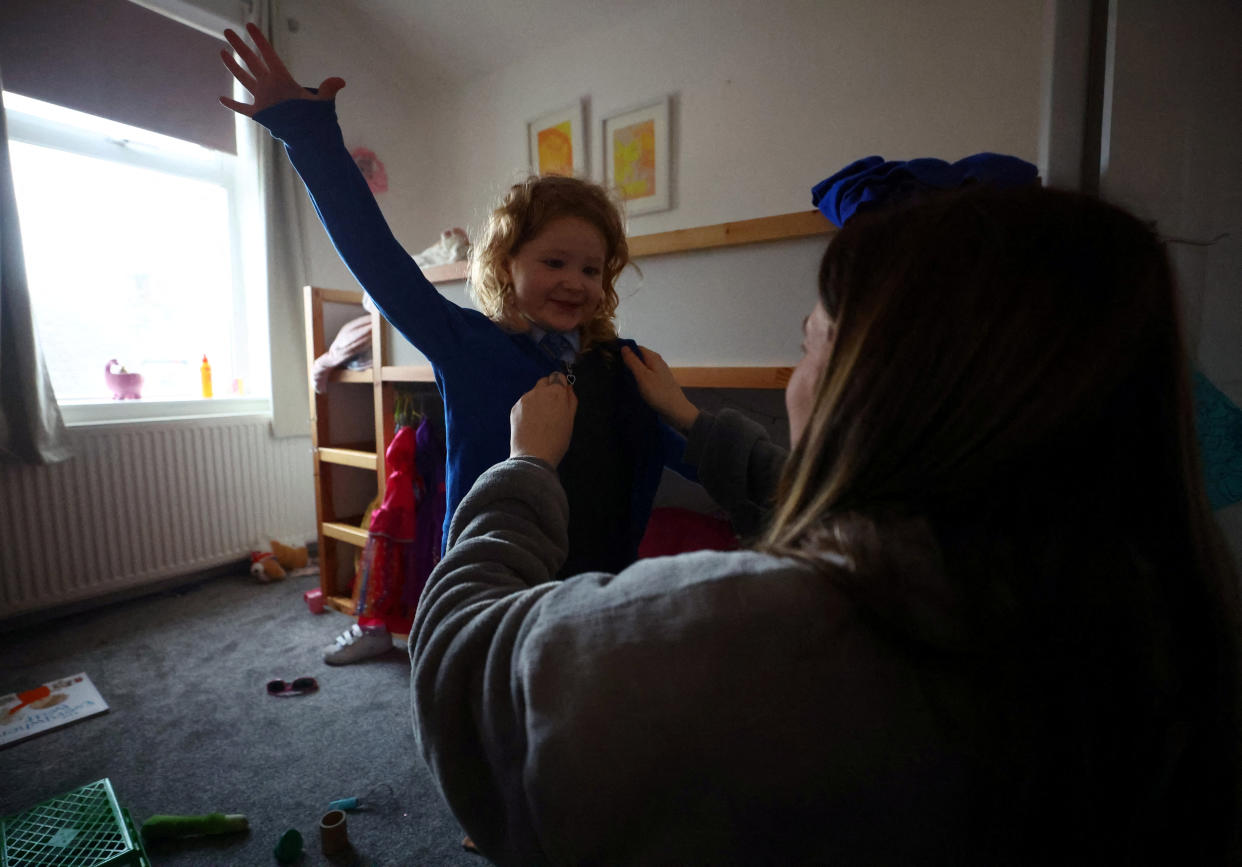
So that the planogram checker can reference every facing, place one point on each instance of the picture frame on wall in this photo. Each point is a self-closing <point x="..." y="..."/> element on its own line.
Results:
<point x="638" y="157"/>
<point x="557" y="142"/>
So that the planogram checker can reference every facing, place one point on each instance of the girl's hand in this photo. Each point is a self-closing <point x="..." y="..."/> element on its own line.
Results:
<point x="265" y="75"/>
<point x="658" y="387"/>
<point x="541" y="423"/>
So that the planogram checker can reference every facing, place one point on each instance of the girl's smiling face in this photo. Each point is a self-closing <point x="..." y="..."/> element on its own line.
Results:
<point x="558" y="276"/>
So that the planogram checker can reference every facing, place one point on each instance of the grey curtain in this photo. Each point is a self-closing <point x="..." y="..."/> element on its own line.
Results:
<point x="283" y="204"/>
<point x="31" y="428"/>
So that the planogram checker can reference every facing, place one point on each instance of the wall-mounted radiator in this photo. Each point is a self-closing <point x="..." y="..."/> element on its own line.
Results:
<point x="142" y="503"/>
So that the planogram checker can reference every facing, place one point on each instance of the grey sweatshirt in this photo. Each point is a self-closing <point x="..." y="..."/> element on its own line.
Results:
<point x="709" y="708"/>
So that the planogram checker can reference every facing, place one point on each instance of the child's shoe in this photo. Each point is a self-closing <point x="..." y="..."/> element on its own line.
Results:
<point x="356" y="643"/>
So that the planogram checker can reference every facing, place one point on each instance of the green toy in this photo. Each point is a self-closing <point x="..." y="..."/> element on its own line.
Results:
<point x="170" y="827"/>
<point x="289" y="848"/>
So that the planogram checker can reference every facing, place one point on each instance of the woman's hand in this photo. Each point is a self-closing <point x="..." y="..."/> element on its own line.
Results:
<point x="658" y="387"/>
<point x="265" y="75"/>
<point x="541" y="423"/>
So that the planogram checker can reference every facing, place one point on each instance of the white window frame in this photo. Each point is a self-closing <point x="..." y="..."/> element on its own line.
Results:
<point x="63" y="129"/>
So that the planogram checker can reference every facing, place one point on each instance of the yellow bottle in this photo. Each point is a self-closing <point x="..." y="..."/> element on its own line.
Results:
<point x="205" y="370"/>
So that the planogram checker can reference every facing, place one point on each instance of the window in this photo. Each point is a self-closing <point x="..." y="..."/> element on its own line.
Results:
<point x="134" y="251"/>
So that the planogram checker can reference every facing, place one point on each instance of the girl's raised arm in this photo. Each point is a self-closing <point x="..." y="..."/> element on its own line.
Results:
<point x="304" y="121"/>
<point x="265" y="75"/>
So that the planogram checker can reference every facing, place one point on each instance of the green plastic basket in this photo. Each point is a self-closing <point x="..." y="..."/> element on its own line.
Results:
<point x="82" y="828"/>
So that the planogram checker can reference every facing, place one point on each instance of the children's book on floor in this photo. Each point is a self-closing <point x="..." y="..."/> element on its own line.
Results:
<point x="48" y="706"/>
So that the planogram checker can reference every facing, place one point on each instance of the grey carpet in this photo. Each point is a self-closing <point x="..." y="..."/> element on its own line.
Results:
<point x="191" y="729"/>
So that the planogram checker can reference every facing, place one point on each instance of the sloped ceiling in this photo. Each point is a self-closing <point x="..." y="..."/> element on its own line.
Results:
<point x="455" y="41"/>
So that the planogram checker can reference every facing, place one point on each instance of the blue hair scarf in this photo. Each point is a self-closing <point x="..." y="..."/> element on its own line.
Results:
<point x="872" y="181"/>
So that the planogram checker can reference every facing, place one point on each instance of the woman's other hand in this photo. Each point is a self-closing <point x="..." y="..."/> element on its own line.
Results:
<point x="265" y="76"/>
<point x="658" y="387"/>
<point x="541" y="423"/>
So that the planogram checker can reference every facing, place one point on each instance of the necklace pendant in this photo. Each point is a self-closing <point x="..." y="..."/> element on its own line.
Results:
<point x="569" y="373"/>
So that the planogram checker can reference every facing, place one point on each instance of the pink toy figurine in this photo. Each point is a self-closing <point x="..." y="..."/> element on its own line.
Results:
<point x="124" y="385"/>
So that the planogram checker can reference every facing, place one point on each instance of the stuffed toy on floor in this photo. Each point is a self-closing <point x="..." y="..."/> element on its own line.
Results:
<point x="276" y="564"/>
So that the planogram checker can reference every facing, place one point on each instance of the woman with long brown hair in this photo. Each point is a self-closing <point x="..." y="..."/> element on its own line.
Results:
<point x="988" y="618"/>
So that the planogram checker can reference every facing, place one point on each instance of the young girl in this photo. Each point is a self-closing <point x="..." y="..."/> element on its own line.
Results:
<point x="543" y="276"/>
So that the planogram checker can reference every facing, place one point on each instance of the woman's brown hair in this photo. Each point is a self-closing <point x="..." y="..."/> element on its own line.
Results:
<point x="522" y="213"/>
<point x="1008" y="392"/>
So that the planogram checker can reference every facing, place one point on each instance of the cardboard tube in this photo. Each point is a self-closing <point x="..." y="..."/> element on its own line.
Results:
<point x="333" y="835"/>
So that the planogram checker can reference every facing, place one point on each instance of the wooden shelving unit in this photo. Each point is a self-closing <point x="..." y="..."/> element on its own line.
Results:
<point x="348" y="457"/>
<point x="336" y="530"/>
<point x="337" y="534"/>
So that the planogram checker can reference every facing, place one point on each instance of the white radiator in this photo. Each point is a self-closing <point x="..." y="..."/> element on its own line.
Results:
<point x="142" y="503"/>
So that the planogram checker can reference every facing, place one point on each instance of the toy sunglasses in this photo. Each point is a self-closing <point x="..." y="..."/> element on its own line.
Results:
<point x="298" y="687"/>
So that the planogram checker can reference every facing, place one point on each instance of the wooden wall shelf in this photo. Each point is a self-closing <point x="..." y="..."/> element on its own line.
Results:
<point x="802" y="224"/>
<point x="732" y="377"/>
<point x="782" y="227"/>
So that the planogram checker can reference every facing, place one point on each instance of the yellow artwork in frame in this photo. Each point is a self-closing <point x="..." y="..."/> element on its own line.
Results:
<point x="637" y="159"/>
<point x="557" y="142"/>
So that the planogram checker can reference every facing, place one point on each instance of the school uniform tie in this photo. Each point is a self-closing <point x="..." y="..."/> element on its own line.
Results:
<point x="556" y="347"/>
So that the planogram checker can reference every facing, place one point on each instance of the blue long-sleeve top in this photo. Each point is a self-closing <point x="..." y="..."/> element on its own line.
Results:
<point x="480" y="369"/>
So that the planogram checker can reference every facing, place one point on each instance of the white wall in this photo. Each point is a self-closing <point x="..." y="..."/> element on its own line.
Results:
<point x="1171" y="155"/>
<point x="380" y="109"/>
<point x="768" y="100"/>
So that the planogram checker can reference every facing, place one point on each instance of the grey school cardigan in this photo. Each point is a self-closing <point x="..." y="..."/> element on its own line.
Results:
<point x="709" y="708"/>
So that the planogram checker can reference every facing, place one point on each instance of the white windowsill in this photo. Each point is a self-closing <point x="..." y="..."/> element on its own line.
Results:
<point x="139" y="411"/>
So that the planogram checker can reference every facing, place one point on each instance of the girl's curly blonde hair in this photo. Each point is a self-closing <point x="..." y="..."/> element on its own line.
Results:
<point x="522" y="213"/>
